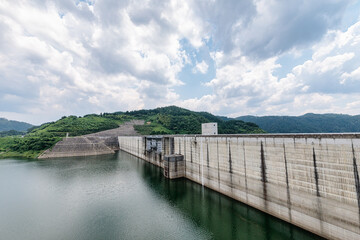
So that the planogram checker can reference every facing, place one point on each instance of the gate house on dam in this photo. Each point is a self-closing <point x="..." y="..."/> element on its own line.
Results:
<point x="309" y="180"/>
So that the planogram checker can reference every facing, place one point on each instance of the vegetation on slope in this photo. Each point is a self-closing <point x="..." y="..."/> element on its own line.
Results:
<point x="47" y="135"/>
<point x="7" y="125"/>
<point x="166" y="120"/>
<point x="75" y="126"/>
<point x="175" y="120"/>
<point x="308" y="123"/>
<point x="11" y="133"/>
<point x="28" y="147"/>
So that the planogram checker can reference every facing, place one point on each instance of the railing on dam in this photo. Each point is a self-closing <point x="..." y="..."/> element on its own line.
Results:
<point x="310" y="180"/>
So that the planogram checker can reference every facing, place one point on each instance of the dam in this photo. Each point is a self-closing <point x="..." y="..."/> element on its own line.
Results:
<point x="309" y="180"/>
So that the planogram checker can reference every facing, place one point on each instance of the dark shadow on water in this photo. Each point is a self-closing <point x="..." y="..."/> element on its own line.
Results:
<point x="119" y="196"/>
<point x="224" y="217"/>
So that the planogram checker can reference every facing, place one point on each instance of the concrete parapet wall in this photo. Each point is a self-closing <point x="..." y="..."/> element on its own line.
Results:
<point x="134" y="145"/>
<point x="311" y="181"/>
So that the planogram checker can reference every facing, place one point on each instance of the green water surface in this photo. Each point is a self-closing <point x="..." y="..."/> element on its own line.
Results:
<point x="121" y="197"/>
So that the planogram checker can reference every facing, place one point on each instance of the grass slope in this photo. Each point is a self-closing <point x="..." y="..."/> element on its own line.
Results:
<point x="308" y="123"/>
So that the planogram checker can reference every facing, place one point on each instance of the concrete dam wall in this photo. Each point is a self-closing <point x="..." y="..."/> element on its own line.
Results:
<point x="311" y="181"/>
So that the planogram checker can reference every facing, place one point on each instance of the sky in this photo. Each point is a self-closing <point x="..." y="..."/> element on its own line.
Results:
<point x="229" y="57"/>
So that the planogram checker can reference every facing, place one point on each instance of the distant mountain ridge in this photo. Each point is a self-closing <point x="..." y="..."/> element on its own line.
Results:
<point x="7" y="125"/>
<point x="308" y="123"/>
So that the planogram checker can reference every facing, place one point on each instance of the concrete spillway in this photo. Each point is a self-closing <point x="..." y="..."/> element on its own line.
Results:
<point x="309" y="180"/>
<point x="78" y="146"/>
<point x="104" y="142"/>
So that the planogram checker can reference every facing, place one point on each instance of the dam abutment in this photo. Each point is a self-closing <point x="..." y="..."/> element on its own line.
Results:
<point x="309" y="180"/>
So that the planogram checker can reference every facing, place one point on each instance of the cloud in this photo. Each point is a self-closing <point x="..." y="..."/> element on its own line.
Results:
<point x="64" y="57"/>
<point x="219" y="18"/>
<point x="261" y="28"/>
<point x="327" y="82"/>
<point x="201" y="67"/>
<point x="61" y="57"/>
<point x="334" y="65"/>
<point x="296" y="25"/>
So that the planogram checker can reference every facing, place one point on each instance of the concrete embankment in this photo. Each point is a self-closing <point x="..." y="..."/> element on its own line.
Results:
<point x="77" y="146"/>
<point x="309" y="180"/>
<point x="104" y="142"/>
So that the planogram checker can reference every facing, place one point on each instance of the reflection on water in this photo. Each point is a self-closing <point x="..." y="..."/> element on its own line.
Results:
<point x="121" y="197"/>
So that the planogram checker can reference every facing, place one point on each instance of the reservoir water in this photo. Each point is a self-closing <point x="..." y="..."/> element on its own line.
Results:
<point x="121" y="197"/>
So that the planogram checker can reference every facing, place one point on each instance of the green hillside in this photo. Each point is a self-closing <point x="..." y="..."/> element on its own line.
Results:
<point x="75" y="126"/>
<point x="166" y="120"/>
<point x="7" y="125"/>
<point x="308" y="123"/>
<point x="47" y="135"/>
<point x="175" y="120"/>
<point x="11" y="133"/>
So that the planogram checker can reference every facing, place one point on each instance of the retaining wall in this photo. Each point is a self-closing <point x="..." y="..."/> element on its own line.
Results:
<point x="78" y="146"/>
<point x="104" y="142"/>
<point x="311" y="181"/>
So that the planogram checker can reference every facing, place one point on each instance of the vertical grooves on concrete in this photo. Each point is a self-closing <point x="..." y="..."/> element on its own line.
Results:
<point x="230" y="161"/>
<point x="163" y="146"/>
<point x="218" y="160"/>
<point x="356" y="177"/>
<point x="172" y="145"/>
<point x="263" y="166"/>
<point x="263" y="174"/>
<point x="230" y="167"/>
<point x="246" y="185"/>
<point x="199" y="163"/>
<point x="185" y="154"/>
<point x="316" y="174"/>
<point x="191" y="155"/>
<point x="287" y="184"/>
<point x="207" y="154"/>
<point x="319" y="205"/>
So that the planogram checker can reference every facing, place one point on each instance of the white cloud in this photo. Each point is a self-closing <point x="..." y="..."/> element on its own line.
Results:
<point x="328" y="82"/>
<point x="296" y="24"/>
<point x="201" y="67"/>
<point x="61" y="57"/>
<point x="334" y="64"/>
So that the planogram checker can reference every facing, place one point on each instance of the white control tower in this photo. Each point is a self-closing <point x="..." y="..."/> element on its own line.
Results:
<point x="209" y="128"/>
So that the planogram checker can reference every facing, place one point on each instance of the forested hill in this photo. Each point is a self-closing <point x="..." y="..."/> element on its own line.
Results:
<point x="308" y="123"/>
<point x="166" y="120"/>
<point x="175" y="120"/>
<point x="7" y="125"/>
